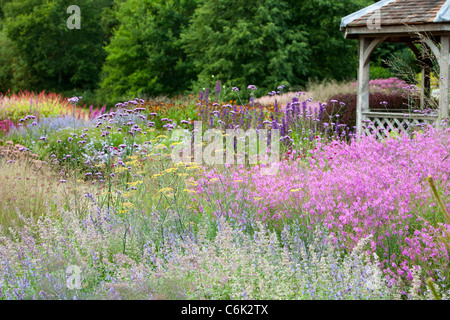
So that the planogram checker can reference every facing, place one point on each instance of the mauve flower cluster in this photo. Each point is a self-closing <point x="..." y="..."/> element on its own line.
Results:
<point x="46" y="125"/>
<point x="297" y="121"/>
<point x="390" y="84"/>
<point x="232" y="264"/>
<point x="365" y="187"/>
<point x="237" y="265"/>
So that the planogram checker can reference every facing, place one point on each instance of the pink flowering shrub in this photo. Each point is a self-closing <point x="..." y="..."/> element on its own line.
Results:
<point x="357" y="189"/>
<point x="390" y="85"/>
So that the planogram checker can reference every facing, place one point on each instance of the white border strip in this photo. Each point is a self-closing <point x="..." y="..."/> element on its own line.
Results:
<point x="443" y="14"/>
<point x="358" y="14"/>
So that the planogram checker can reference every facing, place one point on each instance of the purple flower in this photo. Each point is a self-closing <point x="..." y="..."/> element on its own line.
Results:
<point x="218" y="86"/>
<point x="251" y="87"/>
<point x="235" y="89"/>
<point x="74" y="99"/>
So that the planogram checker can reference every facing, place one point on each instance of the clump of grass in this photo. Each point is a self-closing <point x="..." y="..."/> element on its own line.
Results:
<point x="324" y="90"/>
<point x="28" y="192"/>
<point x="283" y="98"/>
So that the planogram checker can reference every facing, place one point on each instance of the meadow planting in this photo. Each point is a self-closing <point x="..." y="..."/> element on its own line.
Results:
<point x="93" y="205"/>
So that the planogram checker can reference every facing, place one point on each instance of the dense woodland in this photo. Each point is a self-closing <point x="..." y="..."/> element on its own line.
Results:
<point x="149" y="48"/>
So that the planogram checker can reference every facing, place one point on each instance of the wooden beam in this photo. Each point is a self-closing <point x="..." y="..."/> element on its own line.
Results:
<point x="400" y="115"/>
<point x="372" y="46"/>
<point x="425" y="82"/>
<point x="433" y="47"/>
<point x="397" y="30"/>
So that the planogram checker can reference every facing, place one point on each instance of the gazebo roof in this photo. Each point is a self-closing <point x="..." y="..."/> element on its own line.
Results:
<point x="393" y="15"/>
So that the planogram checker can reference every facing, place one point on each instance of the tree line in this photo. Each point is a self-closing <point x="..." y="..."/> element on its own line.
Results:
<point x="128" y="48"/>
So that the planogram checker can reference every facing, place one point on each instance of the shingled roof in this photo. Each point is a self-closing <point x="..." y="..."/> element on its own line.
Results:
<point x="400" y="12"/>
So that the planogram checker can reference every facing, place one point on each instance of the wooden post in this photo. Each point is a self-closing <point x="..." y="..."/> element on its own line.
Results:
<point x="366" y="47"/>
<point x="362" y="104"/>
<point x="444" y="78"/>
<point x="425" y="84"/>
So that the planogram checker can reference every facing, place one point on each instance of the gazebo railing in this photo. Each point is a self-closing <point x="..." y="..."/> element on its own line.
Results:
<point x="385" y="122"/>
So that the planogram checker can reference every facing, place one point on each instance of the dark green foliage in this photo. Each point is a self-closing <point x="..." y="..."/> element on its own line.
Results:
<point x="13" y="71"/>
<point x="332" y="56"/>
<point x="150" y="48"/>
<point x="57" y="57"/>
<point x="384" y="65"/>
<point x="247" y="42"/>
<point x="145" y="57"/>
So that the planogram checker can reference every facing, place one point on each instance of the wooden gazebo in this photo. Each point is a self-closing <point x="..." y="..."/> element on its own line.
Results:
<point x="408" y="22"/>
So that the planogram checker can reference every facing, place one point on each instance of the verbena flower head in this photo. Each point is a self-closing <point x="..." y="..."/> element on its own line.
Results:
<point x="74" y="100"/>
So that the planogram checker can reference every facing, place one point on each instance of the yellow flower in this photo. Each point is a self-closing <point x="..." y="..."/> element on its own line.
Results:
<point x="161" y="136"/>
<point x="135" y="183"/>
<point x="166" y="190"/>
<point x="189" y="190"/>
<point x="257" y="198"/>
<point x="128" y="205"/>
<point x="182" y="174"/>
<point x="192" y="183"/>
<point x="179" y="164"/>
<point x="131" y="163"/>
<point x="238" y="180"/>
<point x="295" y="190"/>
<point x="160" y="146"/>
<point x="214" y="179"/>
<point x="157" y="175"/>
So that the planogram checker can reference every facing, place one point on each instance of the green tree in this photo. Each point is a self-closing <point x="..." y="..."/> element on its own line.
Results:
<point x="332" y="56"/>
<point x="243" y="42"/>
<point x="14" y="75"/>
<point x="58" y="58"/>
<point x="145" y="55"/>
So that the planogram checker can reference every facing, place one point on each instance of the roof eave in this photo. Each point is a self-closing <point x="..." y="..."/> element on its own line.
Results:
<point x="353" y="32"/>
